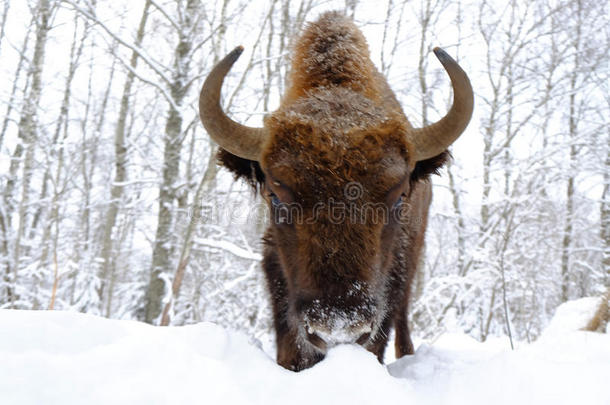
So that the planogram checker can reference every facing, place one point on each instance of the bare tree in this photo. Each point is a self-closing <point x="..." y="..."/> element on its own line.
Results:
<point x="107" y="271"/>
<point x="605" y="215"/>
<point x="3" y="24"/>
<point x="189" y="15"/>
<point x="91" y="127"/>
<point x="572" y="133"/>
<point x="28" y="134"/>
<point x="6" y="206"/>
<point x="56" y="175"/>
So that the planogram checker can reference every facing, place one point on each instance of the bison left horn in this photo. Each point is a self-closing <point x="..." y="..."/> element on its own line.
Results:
<point x="434" y="139"/>
<point x="240" y="140"/>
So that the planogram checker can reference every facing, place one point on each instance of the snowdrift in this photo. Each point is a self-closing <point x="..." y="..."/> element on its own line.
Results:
<point x="70" y="358"/>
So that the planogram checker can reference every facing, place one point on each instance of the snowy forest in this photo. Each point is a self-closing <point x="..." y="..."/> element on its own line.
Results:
<point x="112" y="202"/>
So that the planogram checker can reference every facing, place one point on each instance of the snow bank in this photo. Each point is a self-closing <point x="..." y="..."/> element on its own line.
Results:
<point x="573" y="315"/>
<point x="69" y="358"/>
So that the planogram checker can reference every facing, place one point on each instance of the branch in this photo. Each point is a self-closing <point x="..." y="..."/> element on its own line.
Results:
<point x="229" y="247"/>
<point x="166" y="15"/>
<point x="132" y="47"/>
<point x="163" y="91"/>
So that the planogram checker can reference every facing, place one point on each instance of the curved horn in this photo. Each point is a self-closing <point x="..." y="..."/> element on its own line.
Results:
<point x="434" y="139"/>
<point x="240" y="140"/>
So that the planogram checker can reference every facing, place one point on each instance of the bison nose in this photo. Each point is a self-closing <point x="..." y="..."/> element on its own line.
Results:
<point x="324" y="337"/>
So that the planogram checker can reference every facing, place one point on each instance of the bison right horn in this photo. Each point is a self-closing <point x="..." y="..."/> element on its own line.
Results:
<point x="240" y="140"/>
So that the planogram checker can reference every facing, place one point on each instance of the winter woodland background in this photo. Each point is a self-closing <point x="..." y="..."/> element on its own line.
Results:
<point x="111" y="202"/>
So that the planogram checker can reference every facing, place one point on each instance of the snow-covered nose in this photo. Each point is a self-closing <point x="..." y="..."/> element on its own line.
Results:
<point x="325" y="337"/>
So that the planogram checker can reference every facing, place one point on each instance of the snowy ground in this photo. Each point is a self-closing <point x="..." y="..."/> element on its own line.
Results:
<point x="69" y="358"/>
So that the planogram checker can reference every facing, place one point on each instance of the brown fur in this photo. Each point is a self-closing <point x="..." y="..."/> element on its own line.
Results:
<point x="339" y="124"/>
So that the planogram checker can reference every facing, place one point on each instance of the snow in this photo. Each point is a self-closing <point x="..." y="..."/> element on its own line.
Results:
<point x="574" y="315"/>
<point x="71" y="358"/>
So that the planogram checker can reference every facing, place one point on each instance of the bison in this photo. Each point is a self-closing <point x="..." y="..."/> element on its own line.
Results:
<point x="339" y="142"/>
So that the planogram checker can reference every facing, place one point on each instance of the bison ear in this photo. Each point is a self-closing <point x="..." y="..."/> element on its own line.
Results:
<point x="424" y="168"/>
<point x="247" y="170"/>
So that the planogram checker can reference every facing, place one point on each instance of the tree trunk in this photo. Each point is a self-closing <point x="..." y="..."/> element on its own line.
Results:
<point x="461" y="227"/>
<point x="22" y="59"/>
<point x="605" y="217"/>
<point x="3" y="24"/>
<point x="164" y="246"/>
<point x="107" y="271"/>
<point x="572" y="127"/>
<point x="205" y="186"/>
<point x="28" y="132"/>
<point x="7" y="195"/>
<point x="57" y="156"/>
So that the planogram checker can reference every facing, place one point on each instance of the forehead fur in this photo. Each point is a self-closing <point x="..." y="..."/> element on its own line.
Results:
<point x="335" y="136"/>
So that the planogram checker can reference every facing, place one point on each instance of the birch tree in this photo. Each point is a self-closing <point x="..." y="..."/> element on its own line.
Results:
<point x="27" y="135"/>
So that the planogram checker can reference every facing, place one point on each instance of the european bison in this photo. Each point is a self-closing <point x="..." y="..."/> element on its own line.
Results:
<point x="346" y="178"/>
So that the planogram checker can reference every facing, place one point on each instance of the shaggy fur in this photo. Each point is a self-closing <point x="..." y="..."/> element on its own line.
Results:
<point x="339" y="125"/>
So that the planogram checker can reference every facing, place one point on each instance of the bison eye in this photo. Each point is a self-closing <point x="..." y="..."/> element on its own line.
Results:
<point x="399" y="201"/>
<point x="275" y="201"/>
